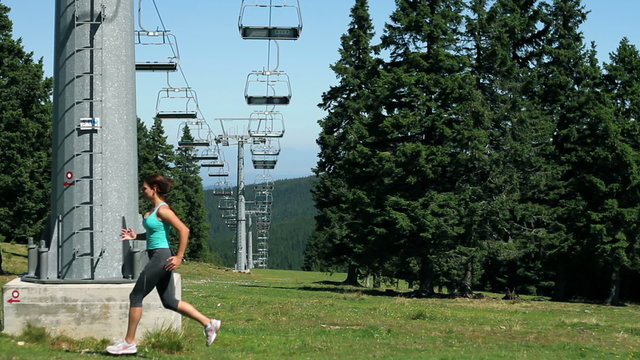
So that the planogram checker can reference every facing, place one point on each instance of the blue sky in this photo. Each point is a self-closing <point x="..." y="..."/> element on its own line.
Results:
<point x="216" y="61"/>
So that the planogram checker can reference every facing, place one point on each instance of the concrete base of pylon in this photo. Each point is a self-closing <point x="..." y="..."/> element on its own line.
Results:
<point x="81" y="310"/>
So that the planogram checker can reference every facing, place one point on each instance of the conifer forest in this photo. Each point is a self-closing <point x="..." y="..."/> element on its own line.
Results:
<point x="480" y="145"/>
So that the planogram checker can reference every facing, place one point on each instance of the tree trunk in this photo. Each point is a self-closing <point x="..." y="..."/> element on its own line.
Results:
<point x="377" y="280"/>
<point x="352" y="276"/>
<point x="614" y="287"/>
<point x="465" y="289"/>
<point x="559" y="292"/>
<point x="425" y="280"/>
<point x="1" y="271"/>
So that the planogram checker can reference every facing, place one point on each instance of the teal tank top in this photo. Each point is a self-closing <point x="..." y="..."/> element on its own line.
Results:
<point x="157" y="231"/>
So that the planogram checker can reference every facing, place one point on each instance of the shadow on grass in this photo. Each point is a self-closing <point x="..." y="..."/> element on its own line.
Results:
<point x="415" y="294"/>
<point x="11" y="273"/>
<point x="14" y="254"/>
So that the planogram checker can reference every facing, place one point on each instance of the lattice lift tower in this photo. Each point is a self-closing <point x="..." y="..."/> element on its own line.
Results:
<point x="270" y="20"/>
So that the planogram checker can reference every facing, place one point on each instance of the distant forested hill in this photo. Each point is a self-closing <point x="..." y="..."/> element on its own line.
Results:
<point x="292" y="222"/>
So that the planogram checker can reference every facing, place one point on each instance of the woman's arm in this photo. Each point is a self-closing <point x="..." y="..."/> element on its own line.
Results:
<point x="130" y="234"/>
<point x="167" y="215"/>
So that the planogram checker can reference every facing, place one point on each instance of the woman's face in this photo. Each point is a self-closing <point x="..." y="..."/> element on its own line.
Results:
<point x="147" y="191"/>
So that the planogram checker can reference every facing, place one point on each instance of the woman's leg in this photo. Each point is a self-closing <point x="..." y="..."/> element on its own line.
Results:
<point x="167" y="292"/>
<point x="188" y="310"/>
<point x="147" y="280"/>
<point x="135" y="314"/>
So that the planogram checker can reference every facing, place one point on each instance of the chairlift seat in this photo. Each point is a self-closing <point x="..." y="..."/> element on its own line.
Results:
<point x="194" y="143"/>
<point x="264" y="164"/>
<point x="267" y="151"/>
<point x="270" y="32"/>
<point x="262" y="188"/>
<point x="220" y="171"/>
<point x="156" y="66"/>
<point x="268" y="100"/>
<point x="216" y="164"/>
<point x="205" y="157"/>
<point x="177" y="114"/>
<point x="227" y="204"/>
<point x="266" y="134"/>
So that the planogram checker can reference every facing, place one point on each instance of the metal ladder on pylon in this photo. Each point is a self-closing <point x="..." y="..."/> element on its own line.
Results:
<point x="89" y="16"/>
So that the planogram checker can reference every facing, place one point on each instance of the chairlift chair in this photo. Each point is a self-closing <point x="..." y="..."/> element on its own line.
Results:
<point x="263" y="235"/>
<point x="227" y="203"/>
<point x="177" y="103"/>
<point x="206" y="154"/>
<point x="270" y="147"/>
<point x="218" y="171"/>
<point x="222" y="188"/>
<point x="263" y="198"/>
<point x="162" y="39"/>
<point x="264" y="162"/>
<point x="200" y="133"/>
<point x="228" y="214"/>
<point x="262" y="208"/>
<point x="255" y="13"/>
<point x="267" y="87"/>
<point x="263" y="182"/>
<point x="213" y="164"/>
<point x="263" y="217"/>
<point x="266" y="124"/>
<point x="263" y="225"/>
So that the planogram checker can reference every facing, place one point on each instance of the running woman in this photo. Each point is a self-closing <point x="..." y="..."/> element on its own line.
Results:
<point x="157" y="273"/>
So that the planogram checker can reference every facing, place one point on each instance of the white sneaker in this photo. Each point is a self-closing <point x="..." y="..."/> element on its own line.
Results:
<point x="122" y="348"/>
<point x="211" y="330"/>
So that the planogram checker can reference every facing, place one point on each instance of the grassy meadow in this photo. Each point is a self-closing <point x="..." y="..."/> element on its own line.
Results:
<point x="272" y="314"/>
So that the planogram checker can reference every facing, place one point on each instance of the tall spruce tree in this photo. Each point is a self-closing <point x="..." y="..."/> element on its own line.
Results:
<point x="339" y="237"/>
<point x="514" y="213"/>
<point x="25" y="138"/>
<point x="615" y="222"/>
<point x="145" y="156"/>
<point x="561" y="93"/>
<point x="187" y="199"/>
<point x="427" y="132"/>
<point x="155" y="154"/>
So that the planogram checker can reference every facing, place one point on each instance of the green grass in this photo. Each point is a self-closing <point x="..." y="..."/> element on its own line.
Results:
<point x="272" y="314"/>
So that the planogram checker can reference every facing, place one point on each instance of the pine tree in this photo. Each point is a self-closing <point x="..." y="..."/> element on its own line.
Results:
<point x="614" y="224"/>
<point x="339" y="235"/>
<point x="560" y="95"/>
<point x="145" y="156"/>
<point x="25" y="138"/>
<point x="187" y="199"/>
<point x="427" y="130"/>
<point x="514" y="218"/>
<point x="155" y="154"/>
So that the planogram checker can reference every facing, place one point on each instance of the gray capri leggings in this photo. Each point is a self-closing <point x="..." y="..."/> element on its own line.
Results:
<point x="155" y="275"/>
